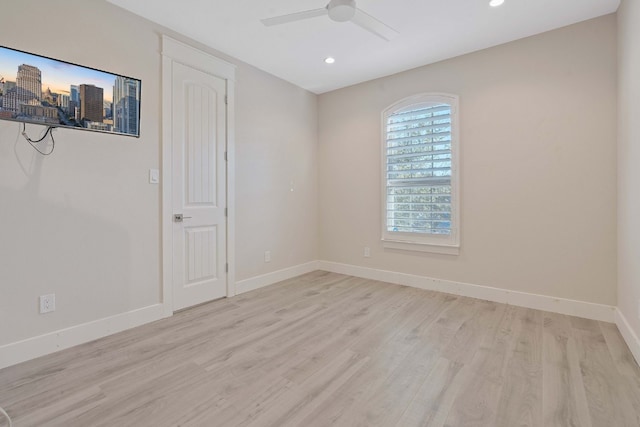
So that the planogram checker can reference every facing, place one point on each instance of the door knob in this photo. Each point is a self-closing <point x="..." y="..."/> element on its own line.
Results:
<point x="179" y="217"/>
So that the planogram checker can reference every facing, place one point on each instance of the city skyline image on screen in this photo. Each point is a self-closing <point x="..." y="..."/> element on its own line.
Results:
<point x="40" y="90"/>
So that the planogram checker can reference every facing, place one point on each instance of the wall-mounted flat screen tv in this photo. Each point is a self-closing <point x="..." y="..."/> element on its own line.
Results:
<point x="37" y="89"/>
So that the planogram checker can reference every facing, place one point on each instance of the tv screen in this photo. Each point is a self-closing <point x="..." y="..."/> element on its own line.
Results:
<point x="50" y="92"/>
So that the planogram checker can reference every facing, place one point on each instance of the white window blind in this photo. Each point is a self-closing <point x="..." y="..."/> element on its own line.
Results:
<point x="419" y="164"/>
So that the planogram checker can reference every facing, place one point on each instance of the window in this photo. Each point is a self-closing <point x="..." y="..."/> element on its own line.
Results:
<point x="420" y="178"/>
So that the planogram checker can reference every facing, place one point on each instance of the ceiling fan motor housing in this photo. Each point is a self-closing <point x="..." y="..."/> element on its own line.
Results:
<point x="341" y="10"/>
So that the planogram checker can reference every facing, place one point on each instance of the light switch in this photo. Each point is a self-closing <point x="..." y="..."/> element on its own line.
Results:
<point x="154" y="176"/>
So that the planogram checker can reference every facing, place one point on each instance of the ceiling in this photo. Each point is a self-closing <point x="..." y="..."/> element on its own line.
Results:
<point x="430" y="31"/>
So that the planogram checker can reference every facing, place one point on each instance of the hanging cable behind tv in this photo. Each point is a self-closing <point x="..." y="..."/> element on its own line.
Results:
<point x="34" y="142"/>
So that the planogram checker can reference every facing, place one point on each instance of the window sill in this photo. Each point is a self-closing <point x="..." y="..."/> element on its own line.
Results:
<point x="421" y="247"/>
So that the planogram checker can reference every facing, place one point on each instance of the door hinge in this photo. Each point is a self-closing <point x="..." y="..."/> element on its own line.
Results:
<point x="226" y="268"/>
<point x="226" y="212"/>
<point x="225" y="156"/>
<point x="226" y="100"/>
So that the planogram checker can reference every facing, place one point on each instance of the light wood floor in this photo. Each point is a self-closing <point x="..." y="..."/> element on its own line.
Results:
<point x="327" y="349"/>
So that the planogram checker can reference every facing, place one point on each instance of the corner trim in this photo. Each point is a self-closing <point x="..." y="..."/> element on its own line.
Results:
<point x="31" y="348"/>
<point x="628" y="334"/>
<point x="588" y="310"/>
<point x="267" y="279"/>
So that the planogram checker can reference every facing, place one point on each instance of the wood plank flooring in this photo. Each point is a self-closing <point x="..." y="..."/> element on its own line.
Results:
<point x="327" y="349"/>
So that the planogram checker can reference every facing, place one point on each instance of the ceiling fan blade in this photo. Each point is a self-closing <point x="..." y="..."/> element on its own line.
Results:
<point x="373" y="25"/>
<point x="283" y="19"/>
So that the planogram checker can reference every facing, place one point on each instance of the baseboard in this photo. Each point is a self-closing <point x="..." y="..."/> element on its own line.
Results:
<point x="31" y="348"/>
<point x="628" y="334"/>
<point x="263" y="280"/>
<point x="21" y="351"/>
<point x="601" y="312"/>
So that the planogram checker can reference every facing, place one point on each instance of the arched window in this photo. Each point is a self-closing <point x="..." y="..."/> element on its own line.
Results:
<point x="420" y="179"/>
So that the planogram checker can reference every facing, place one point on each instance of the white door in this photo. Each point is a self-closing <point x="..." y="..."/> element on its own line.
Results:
<point x="199" y="186"/>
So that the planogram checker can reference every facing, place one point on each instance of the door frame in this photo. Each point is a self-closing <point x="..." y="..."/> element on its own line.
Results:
<point x="175" y="51"/>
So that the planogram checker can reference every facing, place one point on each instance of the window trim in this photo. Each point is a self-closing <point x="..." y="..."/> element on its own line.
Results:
<point x="449" y="245"/>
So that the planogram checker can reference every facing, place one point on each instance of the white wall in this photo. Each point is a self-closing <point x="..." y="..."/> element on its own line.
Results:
<point x="85" y="224"/>
<point x="538" y="134"/>
<point x="276" y="153"/>
<point x="538" y="174"/>
<point x="82" y="223"/>
<point x="629" y="162"/>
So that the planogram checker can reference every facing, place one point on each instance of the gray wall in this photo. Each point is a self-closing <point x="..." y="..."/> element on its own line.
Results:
<point x="538" y="166"/>
<point x="538" y="172"/>
<point x="629" y="162"/>
<point x="84" y="223"/>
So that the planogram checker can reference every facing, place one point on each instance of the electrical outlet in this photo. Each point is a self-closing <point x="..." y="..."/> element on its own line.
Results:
<point x="267" y="256"/>
<point x="47" y="303"/>
<point x="367" y="252"/>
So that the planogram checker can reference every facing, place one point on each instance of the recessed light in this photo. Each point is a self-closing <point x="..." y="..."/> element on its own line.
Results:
<point x="495" y="3"/>
<point x="329" y="60"/>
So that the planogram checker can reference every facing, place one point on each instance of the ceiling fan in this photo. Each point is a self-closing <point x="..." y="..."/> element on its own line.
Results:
<point x="339" y="11"/>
